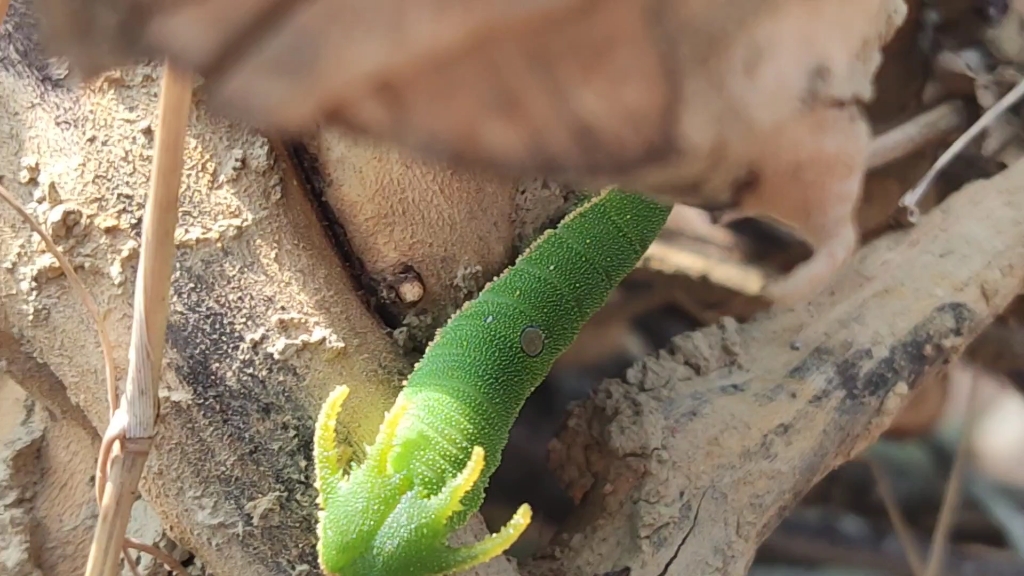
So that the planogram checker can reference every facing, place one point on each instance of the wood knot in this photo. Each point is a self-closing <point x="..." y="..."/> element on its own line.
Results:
<point x="410" y="291"/>
<point x="406" y="286"/>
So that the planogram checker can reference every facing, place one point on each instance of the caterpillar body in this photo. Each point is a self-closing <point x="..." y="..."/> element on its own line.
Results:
<point x="439" y="444"/>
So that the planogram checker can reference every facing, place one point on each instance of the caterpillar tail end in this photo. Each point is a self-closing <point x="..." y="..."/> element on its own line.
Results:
<point x="494" y="545"/>
<point x="377" y="522"/>
<point x="329" y="467"/>
<point x="449" y="500"/>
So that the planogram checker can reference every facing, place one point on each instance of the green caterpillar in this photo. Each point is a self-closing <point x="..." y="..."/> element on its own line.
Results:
<point x="439" y="444"/>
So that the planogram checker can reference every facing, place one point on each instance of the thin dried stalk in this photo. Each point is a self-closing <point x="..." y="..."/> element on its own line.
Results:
<point x="108" y="357"/>
<point x="1000" y="508"/>
<point x="899" y="522"/>
<point x="908" y="202"/>
<point x="159" y="554"/>
<point x="136" y="424"/>
<point x="132" y="566"/>
<point x="69" y="271"/>
<point x="78" y="287"/>
<point x="926" y="128"/>
<point x="954" y="487"/>
<point x="669" y="257"/>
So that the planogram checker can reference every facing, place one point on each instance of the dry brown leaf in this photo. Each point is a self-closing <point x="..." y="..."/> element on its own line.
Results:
<point x="750" y="104"/>
<point x="661" y="94"/>
<point x="1005" y="39"/>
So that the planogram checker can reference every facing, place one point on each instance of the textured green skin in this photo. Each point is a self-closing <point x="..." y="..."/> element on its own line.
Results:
<point x="472" y="382"/>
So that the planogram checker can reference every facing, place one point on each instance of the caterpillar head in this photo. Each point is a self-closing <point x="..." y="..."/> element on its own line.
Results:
<point x="375" y="521"/>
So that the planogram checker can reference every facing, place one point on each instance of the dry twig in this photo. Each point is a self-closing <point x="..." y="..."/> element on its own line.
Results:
<point x="131" y="565"/>
<point x="951" y="498"/>
<point x="157" y="553"/>
<point x="108" y="354"/>
<point x="107" y="348"/>
<point x="899" y="522"/>
<point x="794" y="543"/>
<point x="128" y="438"/>
<point x="907" y="208"/>
<point x="87" y="300"/>
<point x="1000" y="508"/>
<point x="926" y="128"/>
<point x="76" y="283"/>
<point x="667" y="257"/>
<point x="671" y="257"/>
<point x="78" y="287"/>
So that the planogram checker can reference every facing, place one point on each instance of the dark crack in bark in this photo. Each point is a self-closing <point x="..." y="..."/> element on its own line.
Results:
<point x="696" y="515"/>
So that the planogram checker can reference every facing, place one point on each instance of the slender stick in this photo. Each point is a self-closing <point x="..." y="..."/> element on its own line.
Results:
<point x="899" y="522"/>
<point x="666" y="256"/>
<point x="951" y="498"/>
<point x="1000" y="508"/>
<point x="159" y="554"/>
<point x="908" y="202"/>
<point x="139" y="404"/>
<point x="926" y="128"/>
<point x="78" y="287"/>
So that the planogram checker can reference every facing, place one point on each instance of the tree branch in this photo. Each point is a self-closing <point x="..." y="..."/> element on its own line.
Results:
<point x="752" y="416"/>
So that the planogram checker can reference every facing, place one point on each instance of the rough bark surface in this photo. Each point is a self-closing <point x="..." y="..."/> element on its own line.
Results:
<point x="685" y="466"/>
<point x="59" y="495"/>
<point x="420" y="260"/>
<point x="690" y="462"/>
<point x="265" y="318"/>
<point x="46" y="489"/>
<point x="21" y="436"/>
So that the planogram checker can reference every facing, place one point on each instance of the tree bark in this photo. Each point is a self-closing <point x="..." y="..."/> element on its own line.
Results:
<point x="265" y="320"/>
<point x="686" y="466"/>
<point x="689" y="462"/>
